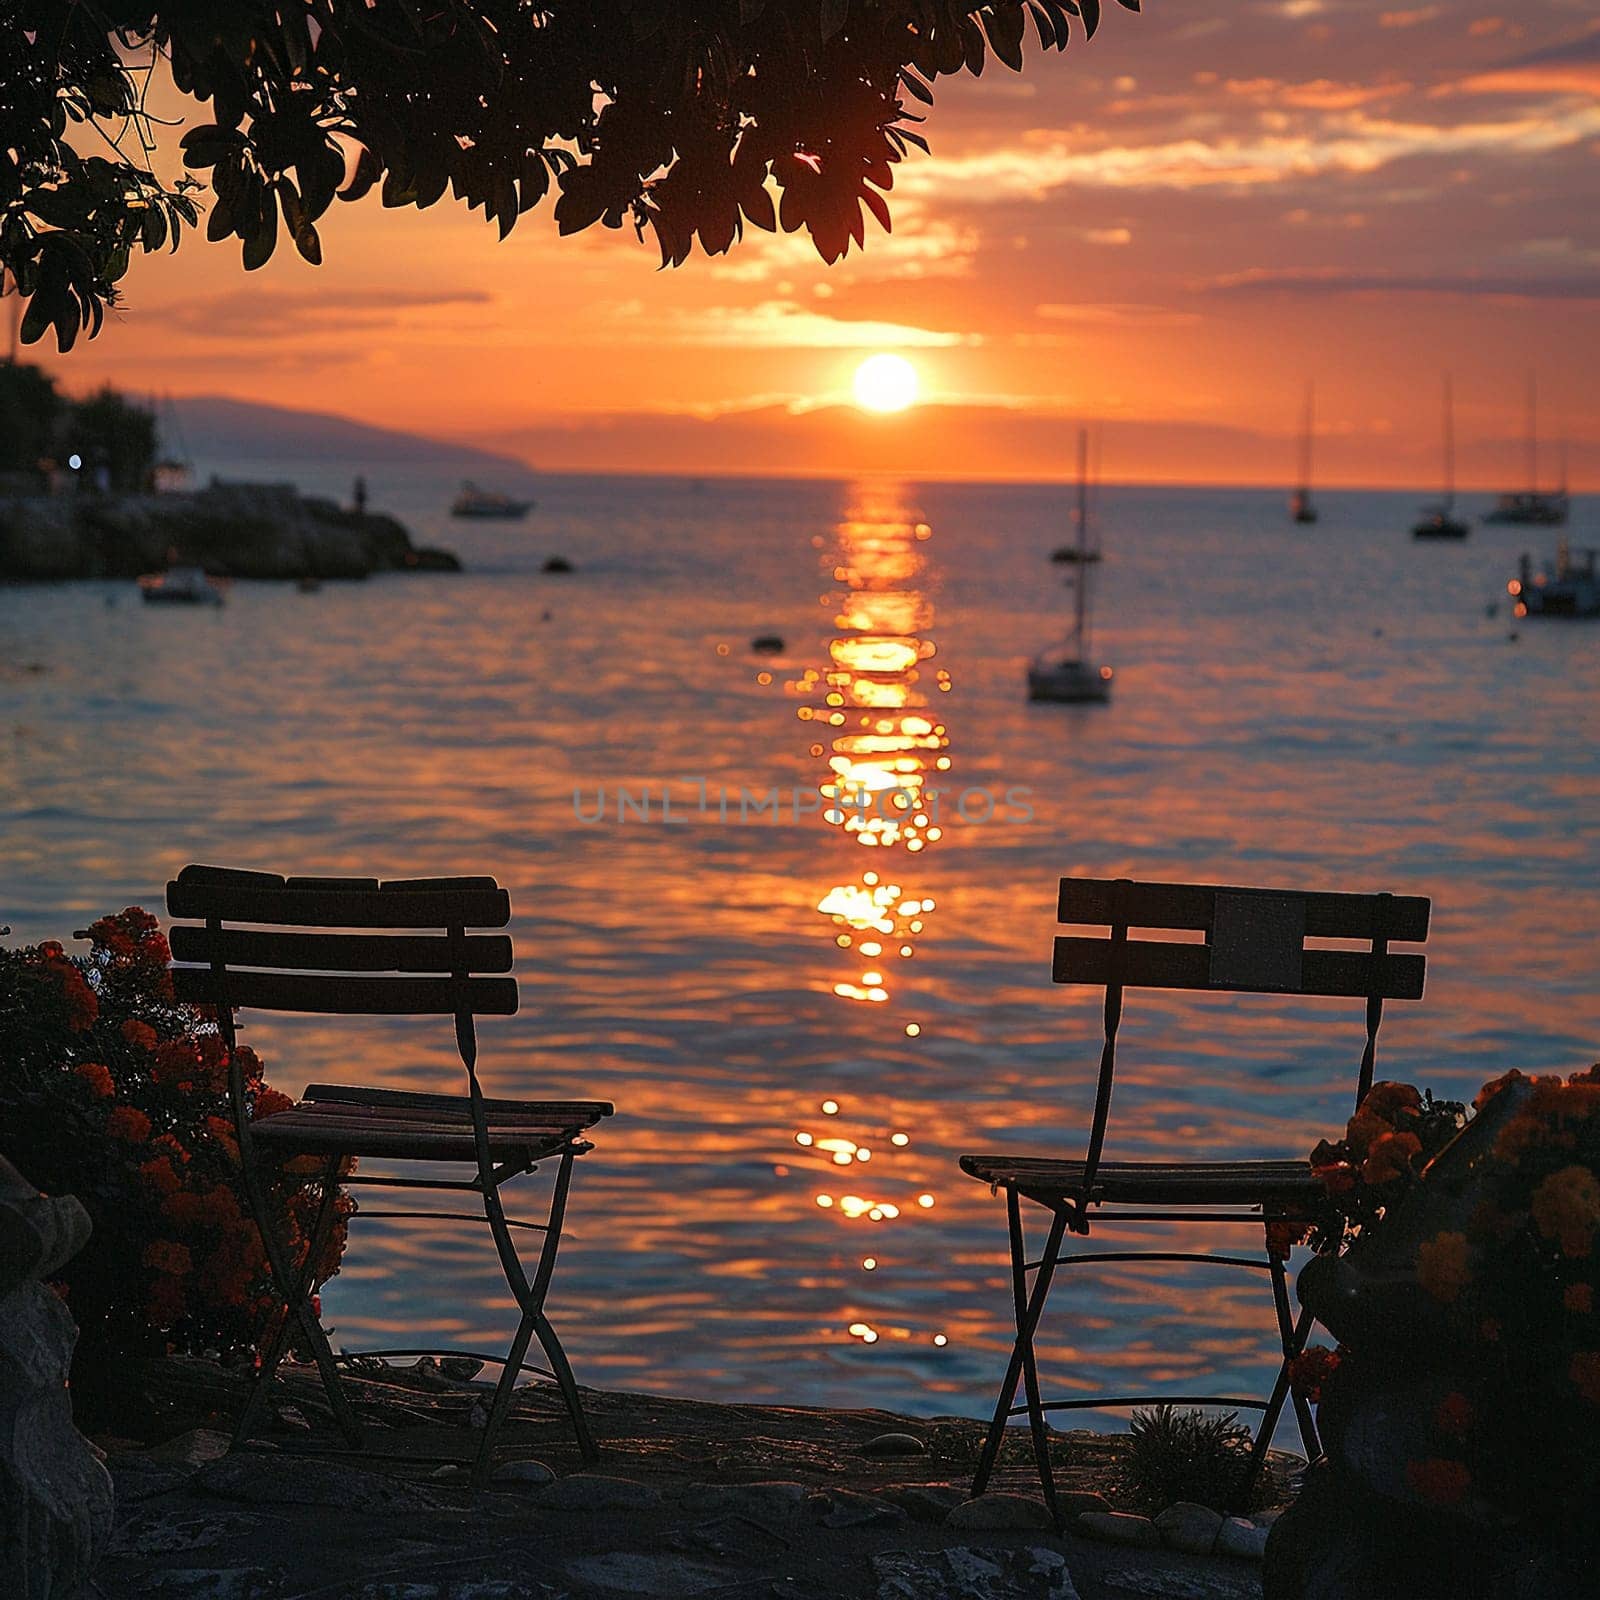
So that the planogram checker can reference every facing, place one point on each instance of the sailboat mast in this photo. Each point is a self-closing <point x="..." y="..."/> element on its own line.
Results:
<point x="1082" y="576"/>
<point x="1307" y="427"/>
<point x="1449" y="446"/>
<point x="1533" y="434"/>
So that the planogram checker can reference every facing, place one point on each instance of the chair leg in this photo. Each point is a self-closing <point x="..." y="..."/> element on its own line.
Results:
<point x="501" y="1403"/>
<point x="1292" y="1336"/>
<point x="1028" y="1309"/>
<point x="530" y="1297"/>
<point x="294" y="1289"/>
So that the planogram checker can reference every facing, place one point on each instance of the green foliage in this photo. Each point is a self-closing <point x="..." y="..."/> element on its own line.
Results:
<point x="109" y="431"/>
<point x="681" y="116"/>
<point x="1185" y="1455"/>
<point x="30" y="413"/>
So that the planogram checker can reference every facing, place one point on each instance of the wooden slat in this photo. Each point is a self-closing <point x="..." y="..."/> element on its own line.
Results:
<point x="1148" y="964"/>
<point x="290" y="1130"/>
<point x="367" y="907"/>
<point x="1190" y="905"/>
<point x="1176" y="1183"/>
<point x="278" y="991"/>
<point x="342" y="952"/>
<point x="350" y="1094"/>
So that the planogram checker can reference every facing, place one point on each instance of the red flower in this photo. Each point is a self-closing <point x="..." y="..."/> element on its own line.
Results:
<point x="1454" y="1414"/>
<point x="139" y="1034"/>
<point x="167" y="1255"/>
<point x="1439" y="1480"/>
<point x="270" y="1102"/>
<point x="130" y="1123"/>
<point x="1584" y="1371"/>
<point x="98" y="1079"/>
<point x="160" y="1176"/>
<point x="1391" y="1157"/>
<point x="164" y="1304"/>
<point x="176" y="1060"/>
<point x="1337" y="1178"/>
<point x="1282" y="1237"/>
<point x="1494" y="1086"/>
<point x="1578" y="1297"/>
<point x="1311" y="1369"/>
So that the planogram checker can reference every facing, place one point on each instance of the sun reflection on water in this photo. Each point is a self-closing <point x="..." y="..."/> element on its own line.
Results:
<point x="883" y="749"/>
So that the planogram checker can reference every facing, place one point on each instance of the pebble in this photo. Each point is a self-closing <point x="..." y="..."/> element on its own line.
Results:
<point x="1189" y="1527"/>
<point x="191" y="1449"/>
<point x="1025" y="1573"/>
<point x="925" y="1502"/>
<point x="592" y="1491"/>
<point x="844" y="1508"/>
<point x="1242" y="1539"/>
<point x="776" y="1502"/>
<point x="277" y="1480"/>
<point x="522" y="1474"/>
<point x="1118" y="1527"/>
<point x="894" y="1444"/>
<point x="997" y="1511"/>
<point x="1076" y="1501"/>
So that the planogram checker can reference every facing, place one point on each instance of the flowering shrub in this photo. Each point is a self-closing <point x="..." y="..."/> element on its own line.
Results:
<point x="114" y="1092"/>
<point x="1512" y="1286"/>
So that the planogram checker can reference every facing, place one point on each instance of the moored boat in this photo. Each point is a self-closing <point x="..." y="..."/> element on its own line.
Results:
<point x="1567" y="587"/>
<point x="476" y="502"/>
<point x="1440" y="521"/>
<point x="1301" y="508"/>
<point x="1063" y="673"/>
<point x="183" y="586"/>
<point x="1533" y="506"/>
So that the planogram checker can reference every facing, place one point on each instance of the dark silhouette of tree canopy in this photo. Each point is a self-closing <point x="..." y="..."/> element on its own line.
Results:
<point x="687" y="118"/>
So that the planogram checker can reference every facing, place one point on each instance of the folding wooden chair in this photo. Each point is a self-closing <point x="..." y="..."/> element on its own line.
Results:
<point x="339" y="972"/>
<point x="1255" y="941"/>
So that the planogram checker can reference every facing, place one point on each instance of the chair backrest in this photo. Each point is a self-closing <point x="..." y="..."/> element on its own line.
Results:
<point x="365" y="973"/>
<point x="1255" y="942"/>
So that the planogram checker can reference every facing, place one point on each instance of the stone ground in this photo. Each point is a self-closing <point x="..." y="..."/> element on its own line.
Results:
<point x="689" y="1500"/>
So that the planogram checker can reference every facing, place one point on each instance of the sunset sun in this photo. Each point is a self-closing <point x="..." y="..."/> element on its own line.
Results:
<point x="885" y="383"/>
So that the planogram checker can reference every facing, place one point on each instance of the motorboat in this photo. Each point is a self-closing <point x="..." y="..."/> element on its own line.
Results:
<point x="181" y="586"/>
<point x="486" y="503"/>
<point x="1567" y="587"/>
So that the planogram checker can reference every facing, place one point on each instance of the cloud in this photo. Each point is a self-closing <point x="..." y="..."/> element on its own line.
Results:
<point x="1409" y="19"/>
<point x="1114" y="315"/>
<point x="1571" y="67"/>
<point x="773" y="324"/>
<point x="263" y="313"/>
<point x="1347" y="142"/>
<point x="1337" y="280"/>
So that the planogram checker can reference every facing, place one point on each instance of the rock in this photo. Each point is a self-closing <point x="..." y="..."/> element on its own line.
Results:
<point x="925" y="1502"/>
<point x="259" y="1479"/>
<point x="211" y="1583"/>
<point x="1242" y="1539"/>
<point x="973" y="1574"/>
<point x="1117" y="1527"/>
<point x="1189" y="1527"/>
<point x="844" y="1508"/>
<point x="894" y="1444"/>
<point x="782" y="1504"/>
<point x="159" y="1533"/>
<point x="56" y="1498"/>
<point x="1212" y="1581"/>
<point x="1077" y="1501"/>
<point x="522" y="1475"/>
<point x="290" y="1419"/>
<point x="651" y="1572"/>
<point x="1000" y="1511"/>
<point x="191" y="1449"/>
<point x="593" y="1491"/>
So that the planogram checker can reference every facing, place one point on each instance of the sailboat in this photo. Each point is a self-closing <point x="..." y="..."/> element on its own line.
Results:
<point x="1440" y="521"/>
<point x="1064" y="673"/>
<point x="1533" y="505"/>
<point x="1300" y="506"/>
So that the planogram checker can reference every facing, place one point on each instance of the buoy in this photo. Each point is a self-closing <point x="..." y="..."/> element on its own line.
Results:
<point x="558" y="564"/>
<point x="767" y="644"/>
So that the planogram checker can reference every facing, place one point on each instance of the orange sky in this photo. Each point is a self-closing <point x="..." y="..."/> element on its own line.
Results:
<point x="1169" y="230"/>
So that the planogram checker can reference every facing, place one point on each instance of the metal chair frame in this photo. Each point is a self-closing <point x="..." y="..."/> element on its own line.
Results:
<point x="219" y="894"/>
<point x="1267" y="957"/>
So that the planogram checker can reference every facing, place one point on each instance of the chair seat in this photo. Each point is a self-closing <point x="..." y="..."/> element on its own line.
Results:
<point x="404" y="1125"/>
<point x="1166" y="1183"/>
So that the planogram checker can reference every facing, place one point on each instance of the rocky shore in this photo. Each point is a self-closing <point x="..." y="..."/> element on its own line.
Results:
<point x="688" y="1500"/>
<point x="238" y="530"/>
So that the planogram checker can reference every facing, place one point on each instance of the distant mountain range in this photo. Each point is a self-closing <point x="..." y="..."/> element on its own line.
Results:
<point x="211" y="428"/>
